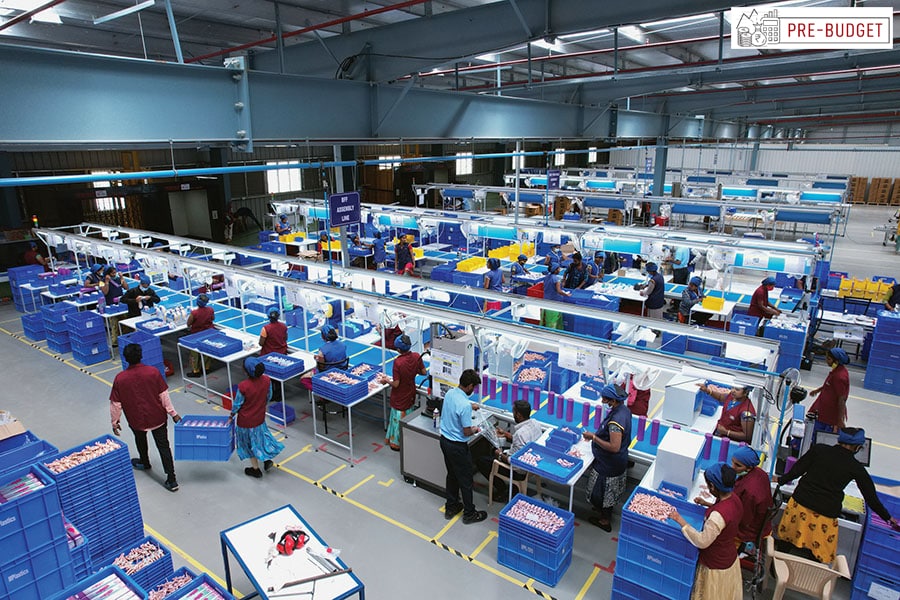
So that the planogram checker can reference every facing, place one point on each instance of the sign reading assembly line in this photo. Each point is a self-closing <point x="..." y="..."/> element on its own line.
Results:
<point x="813" y="28"/>
<point x="344" y="209"/>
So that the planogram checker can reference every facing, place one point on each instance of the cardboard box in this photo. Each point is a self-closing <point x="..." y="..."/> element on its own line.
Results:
<point x="9" y="425"/>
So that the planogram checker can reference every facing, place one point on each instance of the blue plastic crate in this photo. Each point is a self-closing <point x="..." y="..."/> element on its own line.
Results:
<point x="85" y="322"/>
<point x="29" y="521"/>
<point x="204" y="438"/>
<point x="146" y="341"/>
<point x="882" y="379"/>
<point x="878" y="550"/>
<point x="192" y="340"/>
<point x="743" y="324"/>
<point x="672" y="490"/>
<point x="547" y="466"/>
<point x="180" y="572"/>
<point x="366" y="371"/>
<point x="656" y="534"/>
<point x="57" y="327"/>
<point x="789" y="336"/>
<point x="57" y="313"/>
<point x="702" y="346"/>
<point x="869" y="584"/>
<point x="205" y="584"/>
<point x="562" y="439"/>
<point x="340" y="393"/>
<point x="592" y="387"/>
<point x="153" y="326"/>
<point x="282" y="366"/>
<point x="33" y="320"/>
<point x="24" y="449"/>
<point x="220" y="345"/>
<point x="655" y="567"/>
<point x="59" y="347"/>
<point x="467" y="278"/>
<point x="96" y="352"/>
<point x="20" y="275"/>
<point x="107" y="574"/>
<point x="622" y="589"/>
<point x="274" y="413"/>
<point x="39" y="574"/>
<point x="673" y="343"/>
<point x="884" y="354"/>
<point x="542" y="554"/>
<point x="526" y="566"/>
<point x="156" y="572"/>
<point x="81" y="558"/>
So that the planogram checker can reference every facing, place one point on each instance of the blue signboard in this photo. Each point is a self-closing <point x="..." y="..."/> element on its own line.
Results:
<point x="344" y="209"/>
<point x="553" y="176"/>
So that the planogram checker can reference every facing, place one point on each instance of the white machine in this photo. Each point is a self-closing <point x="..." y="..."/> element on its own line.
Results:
<point x="682" y="402"/>
<point x="677" y="458"/>
<point x="450" y="356"/>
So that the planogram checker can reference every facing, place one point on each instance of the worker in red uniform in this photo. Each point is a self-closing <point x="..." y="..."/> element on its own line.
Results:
<point x="738" y="413"/>
<point x="200" y="319"/>
<point x="403" y="387"/>
<point x="831" y="403"/>
<point x="760" y="307"/>
<point x="273" y="339"/>
<point x="33" y="257"/>
<point x="755" y="492"/>
<point x="142" y="394"/>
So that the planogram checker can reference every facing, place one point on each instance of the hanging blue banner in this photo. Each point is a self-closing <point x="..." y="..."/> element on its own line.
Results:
<point x="344" y="209"/>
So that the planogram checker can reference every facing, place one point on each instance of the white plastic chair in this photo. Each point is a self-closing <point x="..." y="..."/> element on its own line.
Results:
<point x="521" y="485"/>
<point x="806" y="576"/>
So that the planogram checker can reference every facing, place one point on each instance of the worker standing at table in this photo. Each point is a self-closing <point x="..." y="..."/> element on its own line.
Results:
<point x="282" y="227"/>
<point x="609" y="445"/>
<point x="553" y="290"/>
<point x="893" y="298"/>
<point x="831" y="404"/>
<point x="809" y="526"/>
<point x="760" y="307"/>
<point x="718" y="574"/>
<point x="518" y="268"/>
<point x="403" y="257"/>
<point x="595" y="268"/>
<point x="755" y="491"/>
<point x="252" y="437"/>
<point x="112" y="287"/>
<point x="456" y="429"/>
<point x="493" y="279"/>
<point x="333" y="353"/>
<point x="691" y="296"/>
<point x="681" y="264"/>
<point x="654" y="289"/>
<point x="403" y="387"/>
<point x="139" y="297"/>
<point x="273" y="339"/>
<point x="576" y="276"/>
<point x="200" y="319"/>
<point x="378" y="250"/>
<point x="738" y="413"/>
<point x="555" y="256"/>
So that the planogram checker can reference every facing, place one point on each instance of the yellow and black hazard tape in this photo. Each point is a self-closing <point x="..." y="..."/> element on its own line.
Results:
<point x="58" y="357"/>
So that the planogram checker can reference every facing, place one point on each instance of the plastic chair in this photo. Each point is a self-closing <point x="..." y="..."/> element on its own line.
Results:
<point x="521" y="485"/>
<point x="805" y="576"/>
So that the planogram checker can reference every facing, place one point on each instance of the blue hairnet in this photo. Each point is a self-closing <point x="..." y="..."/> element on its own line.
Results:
<point x="282" y="216"/>
<point x="145" y="280"/>
<point x="402" y="343"/>
<point x="714" y="476"/>
<point x="522" y="257"/>
<point x="329" y="332"/>
<point x="250" y="365"/>
<point x="202" y="300"/>
<point x="696" y="281"/>
<point x="652" y="267"/>
<point x="553" y="268"/>
<point x="493" y="263"/>
<point x="840" y="355"/>
<point x="599" y="254"/>
<point x="612" y="392"/>
<point x="857" y="439"/>
<point x="747" y="456"/>
<point x="96" y="268"/>
<point x="274" y="314"/>
<point x="768" y="281"/>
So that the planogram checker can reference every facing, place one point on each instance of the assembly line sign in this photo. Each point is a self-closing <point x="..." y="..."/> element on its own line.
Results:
<point x="343" y="209"/>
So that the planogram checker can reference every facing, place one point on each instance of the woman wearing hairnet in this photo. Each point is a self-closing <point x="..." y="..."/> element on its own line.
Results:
<point x="609" y="445"/>
<point x="831" y="403"/>
<point x="403" y="387"/>
<point x="252" y="437"/>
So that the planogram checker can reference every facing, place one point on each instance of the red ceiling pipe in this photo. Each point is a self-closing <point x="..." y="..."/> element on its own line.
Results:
<point x="331" y="23"/>
<point x="30" y="13"/>
<point x="828" y="118"/>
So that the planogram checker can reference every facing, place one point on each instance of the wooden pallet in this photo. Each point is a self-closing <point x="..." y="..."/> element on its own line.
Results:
<point x="858" y="189"/>
<point x="895" y="194"/>
<point x="880" y="191"/>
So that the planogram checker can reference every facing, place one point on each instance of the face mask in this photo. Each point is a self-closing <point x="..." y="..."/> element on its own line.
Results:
<point x="144" y="289"/>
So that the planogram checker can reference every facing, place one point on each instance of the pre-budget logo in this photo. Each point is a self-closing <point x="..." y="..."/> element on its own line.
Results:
<point x="813" y="28"/>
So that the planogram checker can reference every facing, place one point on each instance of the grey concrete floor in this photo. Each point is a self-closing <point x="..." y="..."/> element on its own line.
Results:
<point x="391" y="533"/>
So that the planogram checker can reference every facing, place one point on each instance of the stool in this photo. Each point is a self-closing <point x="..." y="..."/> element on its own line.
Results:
<point x="521" y="485"/>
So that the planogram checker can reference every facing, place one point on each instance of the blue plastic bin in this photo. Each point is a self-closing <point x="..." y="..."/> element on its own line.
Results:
<point x="204" y="438"/>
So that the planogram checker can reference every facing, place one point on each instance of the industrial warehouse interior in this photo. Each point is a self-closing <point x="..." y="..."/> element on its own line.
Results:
<point x="616" y="216"/>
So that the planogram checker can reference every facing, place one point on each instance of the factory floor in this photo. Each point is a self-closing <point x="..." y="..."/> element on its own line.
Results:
<point x="392" y="534"/>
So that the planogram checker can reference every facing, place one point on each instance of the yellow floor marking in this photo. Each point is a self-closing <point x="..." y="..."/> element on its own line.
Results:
<point x="386" y="483"/>
<point x="296" y="474"/>
<point x="875" y="401"/>
<point x="447" y="527"/>
<point x="498" y="573"/>
<point x="491" y="535"/>
<point x="335" y="470"/>
<point x="347" y="491"/>
<point x="108" y="370"/>
<point x="190" y="559"/>
<point x="529" y="583"/>
<point x="588" y="583"/>
<point x="16" y="320"/>
<point x="306" y="448"/>
<point x="886" y="445"/>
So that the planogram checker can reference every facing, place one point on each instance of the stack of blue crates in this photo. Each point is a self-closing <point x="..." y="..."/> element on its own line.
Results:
<point x="150" y="345"/>
<point x="883" y="370"/>
<point x="340" y="393"/>
<point x="791" y="344"/>
<point x="877" y="569"/>
<point x="55" y="325"/>
<point x="743" y="324"/>
<point x="156" y="572"/>
<point x="444" y="272"/>
<point x="653" y="556"/>
<point x="18" y="276"/>
<point x="84" y="495"/>
<point x="204" y="438"/>
<point x="534" y="552"/>
<point x="22" y="450"/>
<point x="87" y="333"/>
<point x="33" y="325"/>
<point x="596" y="328"/>
<point x="34" y="555"/>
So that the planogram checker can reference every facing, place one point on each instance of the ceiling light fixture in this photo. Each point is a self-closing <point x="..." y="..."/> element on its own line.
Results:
<point x="124" y="12"/>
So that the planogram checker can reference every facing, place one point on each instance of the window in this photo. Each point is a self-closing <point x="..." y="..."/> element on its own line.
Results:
<point x="388" y="166"/>
<point x="283" y="180"/>
<point x="518" y="162"/>
<point x="105" y="200"/>
<point x="110" y="203"/>
<point x="592" y="155"/>
<point x="464" y="163"/>
<point x="559" y="159"/>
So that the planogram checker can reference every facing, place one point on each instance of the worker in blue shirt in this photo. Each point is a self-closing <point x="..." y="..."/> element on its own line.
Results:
<point x="553" y="290"/>
<point x="556" y="256"/>
<point x="595" y="268"/>
<point x="378" y="250"/>
<point x="681" y="263"/>
<point x="654" y="290"/>
<point x="518" y="267"/>
<point x="95" y="277"/>
<point x="333" y="353"/>
<point x="456" y="429"/>
<point x="576" y="273"/>
<point x="282" y="227"/>
<point x="493" y="279"/>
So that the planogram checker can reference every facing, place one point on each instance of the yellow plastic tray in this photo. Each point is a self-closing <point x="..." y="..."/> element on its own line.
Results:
<point x="713" y="303"/>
